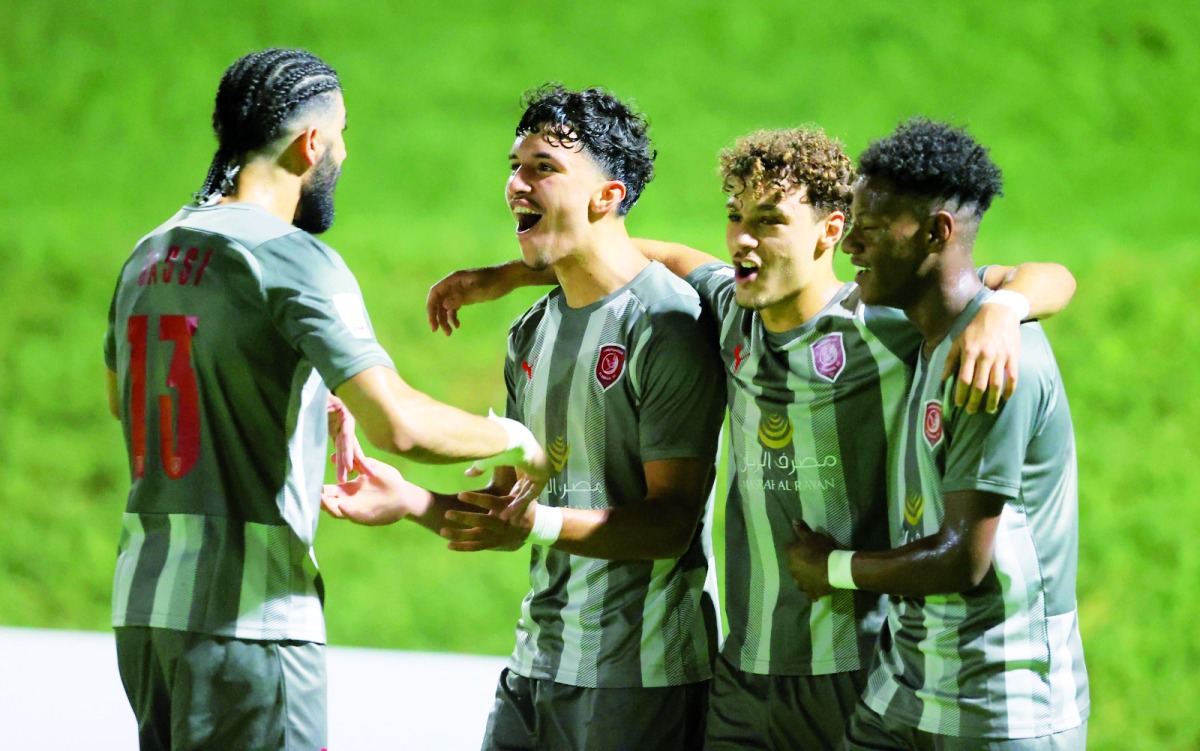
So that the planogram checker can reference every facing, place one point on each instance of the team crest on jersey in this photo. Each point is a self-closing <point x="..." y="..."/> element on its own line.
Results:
<point x="829" y="356"/>
<point x="933" y="423"/>
<point x="774" y="431"/>
<point x="610" y="365"/>
<point x="914" y="509"/>
<point x="559" y="450"/>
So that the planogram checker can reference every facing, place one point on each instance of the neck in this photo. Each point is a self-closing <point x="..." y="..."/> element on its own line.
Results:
<point x="268" y="185"/>
<point x="598" y="265"/>
<point x="934" y="311"/>
<point x="804" y="305"/>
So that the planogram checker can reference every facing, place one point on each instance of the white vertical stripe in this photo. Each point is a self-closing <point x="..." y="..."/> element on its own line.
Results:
<point x="1063" y="632"/>
<point x="127" y="567"/>
<point x="295" y="501"/>
<point x="177" y="551"/>
<point x="255" y="564"/>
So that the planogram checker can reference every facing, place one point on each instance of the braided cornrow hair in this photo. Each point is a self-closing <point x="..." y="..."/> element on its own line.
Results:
<point x="257" y="97"/>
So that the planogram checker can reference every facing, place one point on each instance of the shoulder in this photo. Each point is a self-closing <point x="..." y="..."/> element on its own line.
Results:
<point x="661" y="294"/>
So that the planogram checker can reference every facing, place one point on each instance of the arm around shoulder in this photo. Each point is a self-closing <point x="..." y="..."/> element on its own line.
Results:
<point x="1048" y="287"/>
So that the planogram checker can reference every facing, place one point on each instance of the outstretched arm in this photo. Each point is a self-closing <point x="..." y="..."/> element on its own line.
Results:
<point x="679" y="259"/>
<point x="985" y="355"/>
<point x="380" y="495"/>
<point x="955" y="559"/>
<point x="459" y="289"/>
<point x="659" y="526"/>
<point x="401" y="420"/>
<point x="471" y="286"/>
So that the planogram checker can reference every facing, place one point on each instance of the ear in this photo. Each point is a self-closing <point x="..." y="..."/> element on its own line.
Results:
<point x="941" y="228"/>
<point x="835" y="225"/>
<point x="304" y="151"/>
<point x="607" y="198"/>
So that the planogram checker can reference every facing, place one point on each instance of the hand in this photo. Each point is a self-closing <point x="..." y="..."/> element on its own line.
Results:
<point x="379" y="495"/>
<point x="348" y="455"/>
<point x="459" y="289"/>
<point x="503" y="523"/>
<point x="988" y="350"/>
<point x="808" y="561"/>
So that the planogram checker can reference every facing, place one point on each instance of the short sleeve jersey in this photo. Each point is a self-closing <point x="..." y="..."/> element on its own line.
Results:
<point x="226" y="330"/>
<point x="812" y="412"/>
<point x="606" y="388"/>
<point x="1005" y="659"/>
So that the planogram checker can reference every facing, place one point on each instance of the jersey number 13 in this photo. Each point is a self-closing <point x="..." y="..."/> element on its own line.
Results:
<point x="178" y="415"/>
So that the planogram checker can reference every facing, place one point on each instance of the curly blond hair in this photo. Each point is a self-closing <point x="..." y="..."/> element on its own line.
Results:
<point x="788" y="159"/>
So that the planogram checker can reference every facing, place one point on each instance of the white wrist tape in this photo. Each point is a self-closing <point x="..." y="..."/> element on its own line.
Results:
<point x="547" y="525"/>
<point x="521" y="445"/>
<point x="1015" y="301"/>
<point x="840" y="576"/>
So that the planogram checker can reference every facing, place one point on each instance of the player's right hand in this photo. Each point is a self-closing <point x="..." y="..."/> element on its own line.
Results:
<point x="459" y="289"/>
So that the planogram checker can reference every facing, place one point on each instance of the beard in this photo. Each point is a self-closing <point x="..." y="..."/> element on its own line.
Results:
<point x="314" y="212"/>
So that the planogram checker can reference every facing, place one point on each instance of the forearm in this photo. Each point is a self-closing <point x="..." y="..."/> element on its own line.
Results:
<point x="1048" y="287"/>
<point x="640" y="531"/>
<point x="401" y="420"/>
<point x="429" y="508"/>
<point x="933" y="565"/>
<point x="679" y="259"/>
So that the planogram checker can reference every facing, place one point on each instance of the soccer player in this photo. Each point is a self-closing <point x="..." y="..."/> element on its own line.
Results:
<point x="228" y="326"/>
<point x="616" y="373"/>
<point x="815" y="383"/>
<point x="981" y="646"/>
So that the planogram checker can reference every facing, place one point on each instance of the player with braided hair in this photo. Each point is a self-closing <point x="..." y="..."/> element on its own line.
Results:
<point x="229" y="325"/>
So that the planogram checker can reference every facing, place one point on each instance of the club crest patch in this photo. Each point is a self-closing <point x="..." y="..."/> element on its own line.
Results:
<point x="933" y="422"/>
<point x="610" y="365"/>
<point x="829" y="357"/>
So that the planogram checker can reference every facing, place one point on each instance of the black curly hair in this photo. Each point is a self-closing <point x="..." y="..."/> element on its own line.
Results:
<point x="934" y="160"/>
<point x="258" y="97"/>
<point x="607" y="129"/>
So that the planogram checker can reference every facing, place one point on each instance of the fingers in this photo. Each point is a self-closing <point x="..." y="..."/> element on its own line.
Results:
<point x="452" y="317"/>
<point x="995" y="388"/>
<point x="1010" y="380"/>
<point x="952" y="359"/>
<point x="516" y="508"/>
<point x="484" y="501"/>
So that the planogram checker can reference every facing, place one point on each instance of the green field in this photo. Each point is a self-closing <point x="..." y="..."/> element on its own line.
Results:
<point x="1088" y="107"/>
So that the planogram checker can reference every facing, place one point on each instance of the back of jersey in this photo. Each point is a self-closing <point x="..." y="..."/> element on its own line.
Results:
<point x="226" y="326"/>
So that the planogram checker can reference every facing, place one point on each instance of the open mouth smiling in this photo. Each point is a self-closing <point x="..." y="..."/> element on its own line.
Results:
<point x="745" y="271"/>
<point x="527" y="218"/>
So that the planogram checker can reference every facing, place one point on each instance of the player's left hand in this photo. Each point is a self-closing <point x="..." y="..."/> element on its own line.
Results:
<point x="348" y="455"/>
<point x="503" y="522"/>
<point x="808" y="561"/>
<point x="985" y="356"/>
<point x="379" y="495"/>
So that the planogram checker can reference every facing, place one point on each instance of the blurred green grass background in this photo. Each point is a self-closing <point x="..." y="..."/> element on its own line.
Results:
<point x="1088" y="107"/>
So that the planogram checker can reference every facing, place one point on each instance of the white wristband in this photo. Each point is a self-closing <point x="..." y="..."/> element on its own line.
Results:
<point x="1014" y="301"/>
<point x="521" y="445"/>
<point x="547" y="525"/>
<point x="840" y="576"/>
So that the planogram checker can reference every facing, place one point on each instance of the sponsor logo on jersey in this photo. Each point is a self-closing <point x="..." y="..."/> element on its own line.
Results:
<point x="774" y="431"/>
<point x="933" y="422"/>
<point x="610" y="365"/>
<point x="914" y="509"/>
<point x="828" y="356"/>
<point x="559" y="450"/>
<point x="738" y="357"/>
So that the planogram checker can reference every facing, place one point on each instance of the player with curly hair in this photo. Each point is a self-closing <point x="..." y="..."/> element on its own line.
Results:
<point x="981" y="646"/>
<point x="815" y="381"/>
<point x="615" y="372"/>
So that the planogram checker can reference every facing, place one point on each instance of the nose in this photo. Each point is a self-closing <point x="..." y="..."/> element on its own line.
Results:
<point x="516" y="183"/>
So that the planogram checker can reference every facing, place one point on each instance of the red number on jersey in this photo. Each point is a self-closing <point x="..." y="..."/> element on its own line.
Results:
<point x="178" y="428"/>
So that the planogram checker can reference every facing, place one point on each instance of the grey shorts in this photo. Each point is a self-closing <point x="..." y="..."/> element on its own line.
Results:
<point x="751" y="711"/>
<point x="196" y="691"/>
<point x="869" y="731"/>
<point x="534" y="714"/>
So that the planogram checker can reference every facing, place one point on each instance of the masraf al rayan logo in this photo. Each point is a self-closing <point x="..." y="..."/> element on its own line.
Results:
<point x="559" y="450"/>
<point x="774" y="431"/>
